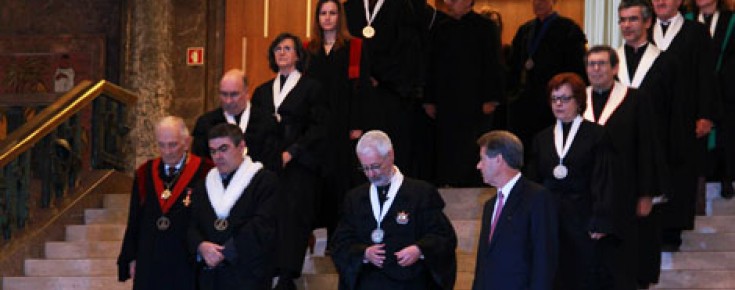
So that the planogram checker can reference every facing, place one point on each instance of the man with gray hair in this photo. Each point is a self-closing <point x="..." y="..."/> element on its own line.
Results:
<point x="518" y="246"/>
<point x="154" y="252"/>
<point x="413" y="248"/>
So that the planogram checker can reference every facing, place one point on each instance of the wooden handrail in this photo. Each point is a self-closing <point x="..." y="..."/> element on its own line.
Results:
<point x="57" y="113"/>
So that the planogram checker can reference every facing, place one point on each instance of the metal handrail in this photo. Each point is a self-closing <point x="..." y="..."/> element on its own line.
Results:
<point x="57" y="113"/>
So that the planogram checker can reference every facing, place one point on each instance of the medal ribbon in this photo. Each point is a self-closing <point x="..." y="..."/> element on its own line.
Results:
<point x="395" y="183"/>
<point x="190" y="168"/>
<point x="558" y="136"/>
<point x="535" y="41"/>
<point x="370" y="18"/>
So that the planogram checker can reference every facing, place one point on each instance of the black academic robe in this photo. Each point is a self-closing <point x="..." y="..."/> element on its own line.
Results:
<point x="332" y="71"/>
<point x="637" y="173"/>
<point x="162" y="258"/>
<point x="427" y="227"/>
<point x="464" y="72"/>
<point x="248" y="240"/>
<point x="585" y="202"/>
<point x="259" y="126"/>
<point x="693" y="98"/>
<point x="561" y="49"/>
<point x="301" y="131"/>
<point x="394" y="58"/>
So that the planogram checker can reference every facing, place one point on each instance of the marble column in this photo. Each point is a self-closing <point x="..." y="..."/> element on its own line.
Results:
<point x="148" y="71"/>
<point x="601" y="22"/>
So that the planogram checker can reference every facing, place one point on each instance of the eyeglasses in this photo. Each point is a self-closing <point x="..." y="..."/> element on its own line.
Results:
<point x="371" y="167"/>
<point x="284" y="48"/>
<point x="562" y="99"/>
<point x="221" y="149"/>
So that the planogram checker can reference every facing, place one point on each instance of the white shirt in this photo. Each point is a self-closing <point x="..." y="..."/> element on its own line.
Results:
<point x="505" y="190"/>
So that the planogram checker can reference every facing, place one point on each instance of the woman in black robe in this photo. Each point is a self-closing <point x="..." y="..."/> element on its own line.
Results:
<point x="572" y="159"/>
<point x="334" y="61"/>
<point x="296" y="102"/>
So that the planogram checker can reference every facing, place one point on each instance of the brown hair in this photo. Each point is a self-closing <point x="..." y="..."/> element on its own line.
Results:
<point x="317" y="34"/>
<point x="574" y="81"/>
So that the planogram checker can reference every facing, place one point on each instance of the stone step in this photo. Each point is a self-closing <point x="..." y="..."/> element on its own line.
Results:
<point x="95" y="232"/>
<point x="105" y="216"/>
<point x="70" y="268"/>
<point x="82" y="250"/>
<point x="698" y="242"/>
<point x="317" y="282"/>
<point x="715" y="224"/>
<point x="116" y="201"/>
<point x="65" y="283"/>
<point x="468" y="232"/>
<point x="465" y="203"/>
<point x="696" y="279"/>
<point x="723" y="207"/>
<point x="698" y="261"/>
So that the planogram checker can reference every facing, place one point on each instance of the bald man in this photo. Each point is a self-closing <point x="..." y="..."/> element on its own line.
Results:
<point x="234" y="109"/>
<point x="154" y="252"/>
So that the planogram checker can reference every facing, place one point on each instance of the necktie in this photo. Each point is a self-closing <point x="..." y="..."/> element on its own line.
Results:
<point x="496" y="216"/>
<point x="664" y="26"/>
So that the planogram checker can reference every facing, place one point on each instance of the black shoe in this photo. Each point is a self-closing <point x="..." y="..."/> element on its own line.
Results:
<point x="285" y="284"/>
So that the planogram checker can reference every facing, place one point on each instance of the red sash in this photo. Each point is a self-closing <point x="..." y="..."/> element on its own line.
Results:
<point x="355" y="54"/>
<point x="190" y="168"/>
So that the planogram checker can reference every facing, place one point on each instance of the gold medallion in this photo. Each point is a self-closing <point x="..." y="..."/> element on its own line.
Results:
<point x="220" y="224"/>
<point x="165" y="194"/>
<point x="368" y="31"/>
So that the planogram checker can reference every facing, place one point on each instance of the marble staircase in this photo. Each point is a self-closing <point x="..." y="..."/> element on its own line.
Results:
<point x="707" y="256"/>
<point x="86" y="258"/>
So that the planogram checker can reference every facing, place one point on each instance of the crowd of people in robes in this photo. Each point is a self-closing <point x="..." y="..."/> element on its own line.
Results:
<point x="599" y="155"/>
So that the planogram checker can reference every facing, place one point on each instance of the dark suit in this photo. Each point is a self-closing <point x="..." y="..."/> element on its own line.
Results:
<point x="259" y="126"/>
<point x="248" y="240"/>
<point x="427" y="227"/>
<point x="523" y="252"/>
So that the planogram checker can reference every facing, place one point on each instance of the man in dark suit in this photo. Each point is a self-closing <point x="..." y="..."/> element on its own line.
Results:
<point x="393" y="234"/>
<point x="518" y="243"/>
<point x="235" y="109"/>
<point x="233" y="226"/>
